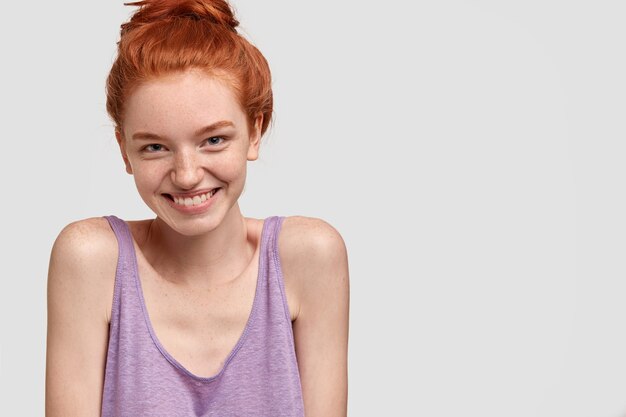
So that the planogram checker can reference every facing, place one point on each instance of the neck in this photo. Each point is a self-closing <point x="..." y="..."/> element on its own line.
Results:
<point x="218" y="256"/>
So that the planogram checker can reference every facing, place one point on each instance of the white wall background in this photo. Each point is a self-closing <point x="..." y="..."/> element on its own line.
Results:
<point x="471" y="153"/>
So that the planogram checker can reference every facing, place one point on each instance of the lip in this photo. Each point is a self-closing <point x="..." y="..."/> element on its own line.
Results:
<point x="200" y="208"/>
<point x="191" y="194"/>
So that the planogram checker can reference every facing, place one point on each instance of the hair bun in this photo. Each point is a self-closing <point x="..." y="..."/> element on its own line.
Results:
<point x="215" y="11"/>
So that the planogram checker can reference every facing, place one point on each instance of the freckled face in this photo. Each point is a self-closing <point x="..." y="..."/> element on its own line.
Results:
<point x="186" y="141"/>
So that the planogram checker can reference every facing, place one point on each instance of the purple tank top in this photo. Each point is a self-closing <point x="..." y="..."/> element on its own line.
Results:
<point x="259" y="377"/>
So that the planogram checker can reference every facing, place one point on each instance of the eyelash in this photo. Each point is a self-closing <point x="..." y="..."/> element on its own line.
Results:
<point x="216" y="137"/>
<point x="148" y="147"/>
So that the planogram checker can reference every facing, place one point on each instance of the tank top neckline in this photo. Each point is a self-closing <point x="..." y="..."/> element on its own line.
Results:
<point x="135" y="275"/>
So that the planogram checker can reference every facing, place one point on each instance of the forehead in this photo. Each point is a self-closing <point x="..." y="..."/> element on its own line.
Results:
<point x="179" y="103"/>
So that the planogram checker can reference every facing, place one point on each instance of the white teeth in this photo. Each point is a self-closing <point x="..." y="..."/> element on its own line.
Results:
<point x="196" y="200"/>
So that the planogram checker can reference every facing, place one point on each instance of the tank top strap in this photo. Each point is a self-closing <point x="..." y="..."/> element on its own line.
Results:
<point x="274" y="225"/>
<point x="125" y="273"/>
<point x="124" y="241"/>
<point x="274" y="276"/>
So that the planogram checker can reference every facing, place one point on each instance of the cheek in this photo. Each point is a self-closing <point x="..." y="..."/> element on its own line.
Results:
<point x="146" y="178"/>
<point x="230" y="168"/>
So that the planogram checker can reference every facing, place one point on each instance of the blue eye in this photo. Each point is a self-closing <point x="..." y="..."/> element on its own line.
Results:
<point x="154" y="147"/>
<point x="215" y="140"/>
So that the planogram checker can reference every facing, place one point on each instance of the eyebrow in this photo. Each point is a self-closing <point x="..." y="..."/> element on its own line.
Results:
<point x="202" y="131"/>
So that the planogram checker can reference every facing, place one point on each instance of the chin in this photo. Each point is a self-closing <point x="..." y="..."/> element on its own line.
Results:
<point x="190" y="227"/>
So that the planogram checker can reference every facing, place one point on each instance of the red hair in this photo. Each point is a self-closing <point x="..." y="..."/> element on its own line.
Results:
<point x="165" y="36"/>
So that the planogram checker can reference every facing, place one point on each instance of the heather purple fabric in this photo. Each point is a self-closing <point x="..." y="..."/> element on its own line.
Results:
<point x="259" y="377"/>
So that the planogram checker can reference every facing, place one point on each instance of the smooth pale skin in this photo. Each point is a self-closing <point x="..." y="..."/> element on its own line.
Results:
<point x="198" y="272"/>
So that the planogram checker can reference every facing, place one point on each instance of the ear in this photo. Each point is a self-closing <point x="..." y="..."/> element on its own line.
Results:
<point x="122" y="144"/>
<point x="255" y="139"/>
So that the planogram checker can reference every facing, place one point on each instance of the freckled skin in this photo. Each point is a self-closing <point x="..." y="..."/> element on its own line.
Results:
<point x="175" y="107"/>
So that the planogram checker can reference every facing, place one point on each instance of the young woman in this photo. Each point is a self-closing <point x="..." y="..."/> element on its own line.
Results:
<point x="200" y="311"/>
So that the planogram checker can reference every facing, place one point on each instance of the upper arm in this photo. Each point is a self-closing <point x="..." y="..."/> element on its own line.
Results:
<point x="315" y="264"/>
<point x="80" y="286"/>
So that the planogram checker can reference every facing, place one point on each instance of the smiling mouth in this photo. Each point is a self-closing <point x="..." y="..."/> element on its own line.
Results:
<point x="196" y="200"/>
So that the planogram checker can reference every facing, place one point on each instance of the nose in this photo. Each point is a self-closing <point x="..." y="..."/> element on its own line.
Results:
<point x="187" y="171"/>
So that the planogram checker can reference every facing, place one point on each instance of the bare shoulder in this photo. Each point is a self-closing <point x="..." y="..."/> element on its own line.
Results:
<point x="81" y="277"/>
<point x="315" y="270"/>
<point x="313" y="258"/>
<point x="305" y="236"/>
<point x="84" y="258"/>
<point x="86" y="242"/>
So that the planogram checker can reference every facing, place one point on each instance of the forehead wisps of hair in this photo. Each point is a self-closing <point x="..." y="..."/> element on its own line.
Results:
<point x="166" y="36"/>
